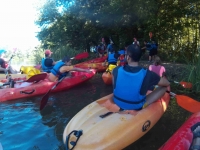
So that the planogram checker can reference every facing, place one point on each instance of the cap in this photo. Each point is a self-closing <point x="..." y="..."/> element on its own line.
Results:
<point x="2" y="51"/>
<point x="48" y="51"/>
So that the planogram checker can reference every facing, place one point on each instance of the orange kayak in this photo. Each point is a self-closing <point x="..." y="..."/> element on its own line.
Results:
<point x="182" y="138"/>
<point x="96" y="63"/>
<point x="43" y="86"/>
<point x="88" y="131"/>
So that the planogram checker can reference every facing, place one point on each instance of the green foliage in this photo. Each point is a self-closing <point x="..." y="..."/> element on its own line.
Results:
<point x="194" y="73"/>
<point x="175" y="24"/>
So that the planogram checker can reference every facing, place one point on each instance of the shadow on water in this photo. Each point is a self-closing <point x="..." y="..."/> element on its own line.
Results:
<point x="23" y="126"/>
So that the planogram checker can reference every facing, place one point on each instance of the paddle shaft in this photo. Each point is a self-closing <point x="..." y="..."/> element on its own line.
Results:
<point x="46" y="96"/>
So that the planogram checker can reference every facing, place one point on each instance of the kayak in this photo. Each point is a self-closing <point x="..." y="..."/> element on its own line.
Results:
<point x="89" y="130"/>
<point x="96" y="63"/>
<point x="107" y="75"/>
<point x="182" y="138"/>
<point x="29" y="70"/>
<point x="14" y="76"/>
<point x="43" y="86"/>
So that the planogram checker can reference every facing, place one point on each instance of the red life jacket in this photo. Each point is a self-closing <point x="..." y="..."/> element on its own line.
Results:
<point x="122" y="60"/>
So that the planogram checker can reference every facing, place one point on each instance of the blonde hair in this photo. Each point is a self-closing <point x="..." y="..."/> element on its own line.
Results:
<point x="157" y="61"/>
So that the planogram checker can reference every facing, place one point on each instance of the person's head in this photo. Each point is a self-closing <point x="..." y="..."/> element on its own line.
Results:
<point x="2" y="52"/>
<point x="133" y="53"/>
<point x="134" y="39"/>
<point x="157" y="61"/>
<point x="67" y="60"/>
<point x="48" y="53"/>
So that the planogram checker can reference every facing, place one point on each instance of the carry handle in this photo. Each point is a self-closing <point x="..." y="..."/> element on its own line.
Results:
<point x="73" y="143"/>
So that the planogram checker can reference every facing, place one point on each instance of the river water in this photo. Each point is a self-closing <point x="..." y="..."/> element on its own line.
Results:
<point x="24" y="127"/>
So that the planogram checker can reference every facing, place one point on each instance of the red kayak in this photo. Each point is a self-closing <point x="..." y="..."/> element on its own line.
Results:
<point x="182" y="138"/>
<point x="43" y="86"/>
<point x="96" y="63"/>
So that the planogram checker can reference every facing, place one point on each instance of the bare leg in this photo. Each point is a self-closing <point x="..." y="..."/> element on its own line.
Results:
<point x="155" y="95"/>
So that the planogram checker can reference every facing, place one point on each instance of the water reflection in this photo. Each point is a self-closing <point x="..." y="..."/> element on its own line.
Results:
<point x="23" y="126"/>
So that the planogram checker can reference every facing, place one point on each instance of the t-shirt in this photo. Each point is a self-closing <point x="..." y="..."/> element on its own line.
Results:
<point x="48" y="62"/>
<point x="149" y="81"/>
<point x="157" y="69"/>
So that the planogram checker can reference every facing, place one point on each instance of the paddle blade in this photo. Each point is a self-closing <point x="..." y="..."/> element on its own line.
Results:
<point x="186" y="85"/>
<point x="44" y="100"/>
<point x="37" y="77"/>
<point x="82" y="55"/>
<point x="188" y="103"/>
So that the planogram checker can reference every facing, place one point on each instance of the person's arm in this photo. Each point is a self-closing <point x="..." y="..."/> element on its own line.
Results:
<point x="150" y="68"/>
<point x="80" y="70"/>
<point x="72" y="68"/>
<point x="163" y="82"/>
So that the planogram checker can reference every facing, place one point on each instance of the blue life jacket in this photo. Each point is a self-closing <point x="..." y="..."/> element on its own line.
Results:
<point x="110" y="48"/>
<point x="45" y="68"/>
<point x="149" y="46"/>
<point x="111" y="58"/>
<point x="127" y="89"/>
<point x="154" y="46"/>
<point x="55" y="71"/>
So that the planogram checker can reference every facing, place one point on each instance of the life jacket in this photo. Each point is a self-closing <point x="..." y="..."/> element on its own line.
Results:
<point x="110" y="48"/>
<point x="122" y="60"/>
<point x="154" y="46"/>
<point x="127" y="89"/>
<point x="55" y="71"/>
<point x="149" y="46"/>
<point x="45" y="68"/>
<point x="3" y="65"/>
<point x="111" y="58"/>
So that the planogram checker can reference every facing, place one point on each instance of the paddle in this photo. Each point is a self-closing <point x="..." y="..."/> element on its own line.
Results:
<point x="81" y="56"/>
<point x="46" y="96"/>
<point x="35" y="78"/>
<point x="187" y="103"/>
<point x="9" y="61"/>
<point x="184" y="84"/>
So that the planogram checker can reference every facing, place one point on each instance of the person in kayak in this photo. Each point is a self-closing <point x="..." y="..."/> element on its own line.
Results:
<point x="113" y="57"/>
<point x="157" y="67"/>
<point x="47" y="62"/>
<point x="131" y="83"/>
<point x="63" y="68"/>
<point x="5" y="67"/>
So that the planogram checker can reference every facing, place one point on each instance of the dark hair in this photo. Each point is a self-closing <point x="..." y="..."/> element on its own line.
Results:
<point x="134" y="52"/>
<point x="157" y="61"/>
<point x="66" y="59"/>
<point x="46" y="55"/>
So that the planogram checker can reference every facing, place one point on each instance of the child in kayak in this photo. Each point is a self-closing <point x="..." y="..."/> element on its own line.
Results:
<point x="63" y="68"/>
<point x="131" y="83"/>
<point x="157" y="67"/>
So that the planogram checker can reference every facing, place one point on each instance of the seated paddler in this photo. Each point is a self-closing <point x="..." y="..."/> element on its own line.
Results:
<point x="47" y="62"/>
<point x="63" y="68"/>
<point x="131" y="83"/>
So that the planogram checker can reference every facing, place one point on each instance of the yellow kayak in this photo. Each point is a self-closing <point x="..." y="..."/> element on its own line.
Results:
<point x="88" y="131"/>
<point x="29" y="70"/>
